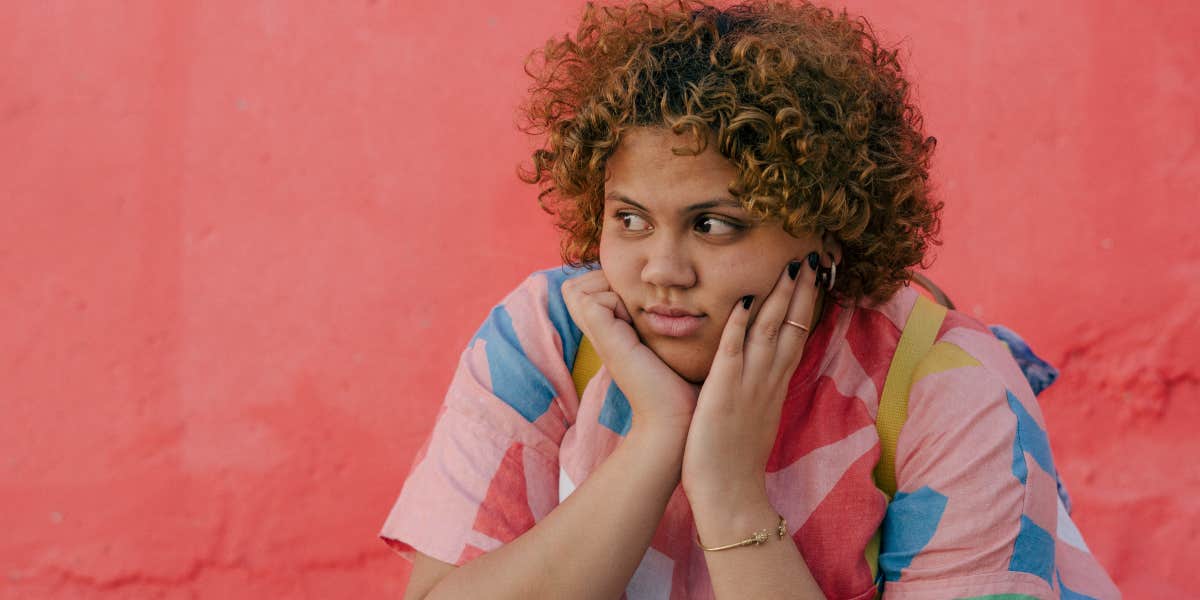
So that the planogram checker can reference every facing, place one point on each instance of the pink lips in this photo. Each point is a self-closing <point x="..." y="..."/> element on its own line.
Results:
<point x="678" y="326"/>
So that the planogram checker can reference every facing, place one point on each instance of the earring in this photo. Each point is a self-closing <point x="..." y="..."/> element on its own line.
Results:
<point x="832" y="270"/>
<point x="826" y="276"/>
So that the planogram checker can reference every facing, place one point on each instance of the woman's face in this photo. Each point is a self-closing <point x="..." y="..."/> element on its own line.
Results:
<point x="675" y="238"/>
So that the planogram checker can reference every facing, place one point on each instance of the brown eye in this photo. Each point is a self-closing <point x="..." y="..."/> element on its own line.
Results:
<point x="715" y="226"/>
<point x="632" y="222"/>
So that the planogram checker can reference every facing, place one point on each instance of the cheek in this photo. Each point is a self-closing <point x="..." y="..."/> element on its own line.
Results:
<point x="732" y="278"/>
<point x="758" y="269"/>
<point x="617" y="265"/>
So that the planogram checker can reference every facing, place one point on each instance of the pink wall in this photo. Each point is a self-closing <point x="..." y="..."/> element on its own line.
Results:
<point x="244" y="242"/>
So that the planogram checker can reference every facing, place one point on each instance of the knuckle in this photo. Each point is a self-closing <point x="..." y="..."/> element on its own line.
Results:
<point x="770" y="332"/>
<point x="731" y="348"/>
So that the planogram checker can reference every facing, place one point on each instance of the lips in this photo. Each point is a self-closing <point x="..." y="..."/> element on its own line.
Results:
<point x="673" y="322"/>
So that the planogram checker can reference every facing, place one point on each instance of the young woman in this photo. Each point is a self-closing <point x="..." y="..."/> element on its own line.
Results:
<point x="743" y="196"/>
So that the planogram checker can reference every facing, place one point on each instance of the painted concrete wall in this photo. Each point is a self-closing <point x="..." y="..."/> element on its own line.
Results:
<point x="243" y="243"/>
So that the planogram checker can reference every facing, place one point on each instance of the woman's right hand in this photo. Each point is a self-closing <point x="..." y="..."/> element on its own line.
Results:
<point x="658" y="396"/>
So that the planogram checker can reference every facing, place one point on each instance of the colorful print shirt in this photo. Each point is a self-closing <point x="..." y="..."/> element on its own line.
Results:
<point x="976" y="514"/>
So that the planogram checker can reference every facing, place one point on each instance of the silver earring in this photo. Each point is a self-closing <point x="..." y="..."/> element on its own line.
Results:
<point x="832" y="270"/>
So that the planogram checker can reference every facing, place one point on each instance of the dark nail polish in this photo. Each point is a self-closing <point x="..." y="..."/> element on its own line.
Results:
<point x="746" y="301"/>
<point x="814" y="260"/>
<point x="793" y="268"/>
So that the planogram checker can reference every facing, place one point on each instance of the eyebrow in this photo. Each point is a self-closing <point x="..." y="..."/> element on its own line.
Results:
<point x="715" y="202"/>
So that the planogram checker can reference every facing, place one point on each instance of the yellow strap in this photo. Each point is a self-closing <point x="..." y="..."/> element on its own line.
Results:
<point x="587" y="362"/>
<point x="916" y="339"/>
<point x="872" y="552"/>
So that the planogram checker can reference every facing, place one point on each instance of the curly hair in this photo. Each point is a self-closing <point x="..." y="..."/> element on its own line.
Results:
<point x="813" y="111"/>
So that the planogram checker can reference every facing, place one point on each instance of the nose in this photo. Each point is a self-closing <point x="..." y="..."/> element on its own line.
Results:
<point x="668" y="266"/>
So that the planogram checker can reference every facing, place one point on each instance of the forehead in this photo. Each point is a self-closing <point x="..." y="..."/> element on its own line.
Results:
<point x="644" y="168"/>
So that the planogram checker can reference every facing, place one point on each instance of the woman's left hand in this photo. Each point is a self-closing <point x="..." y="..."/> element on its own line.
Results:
<point x="736" y="420"/>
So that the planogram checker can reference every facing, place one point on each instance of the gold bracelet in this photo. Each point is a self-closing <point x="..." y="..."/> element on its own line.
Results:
<point x="759" y="537"/>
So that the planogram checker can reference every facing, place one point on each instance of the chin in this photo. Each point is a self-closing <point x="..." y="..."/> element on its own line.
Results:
<point x="697" y="377"/>
<point x="688" y="363"/>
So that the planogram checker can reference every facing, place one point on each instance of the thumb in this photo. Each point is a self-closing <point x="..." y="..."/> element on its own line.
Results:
<point x="621" y="312"/>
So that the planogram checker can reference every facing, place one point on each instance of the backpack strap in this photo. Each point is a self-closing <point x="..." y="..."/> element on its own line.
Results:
<point x="918" y="336"/>
<point x="915" y="341"/>
<point x="587" y="362"/>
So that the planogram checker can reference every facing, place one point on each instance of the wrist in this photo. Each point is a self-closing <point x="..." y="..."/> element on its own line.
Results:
<point x="666" y="443"/>
<point x="720" y="527"/>
<point x="725" y="497"/>
<point x="659" y="433"/>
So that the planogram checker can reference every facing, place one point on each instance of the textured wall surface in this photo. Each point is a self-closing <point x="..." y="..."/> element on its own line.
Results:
<point x="243" y="244"/>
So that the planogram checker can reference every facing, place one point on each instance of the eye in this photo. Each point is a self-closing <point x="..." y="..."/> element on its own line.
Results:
<point x="715" y="226"/>
<point x="632" y="222"/>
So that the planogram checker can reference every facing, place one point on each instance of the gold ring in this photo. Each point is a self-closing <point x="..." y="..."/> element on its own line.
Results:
<point x="795" y="324"/>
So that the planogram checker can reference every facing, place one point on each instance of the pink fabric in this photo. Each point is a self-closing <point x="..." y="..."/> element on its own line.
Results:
<point x="503" y="453"/>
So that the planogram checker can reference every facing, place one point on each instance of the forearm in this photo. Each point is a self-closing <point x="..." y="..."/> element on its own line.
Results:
<point x="774" y="569"/>
<point x="590" y="545"/>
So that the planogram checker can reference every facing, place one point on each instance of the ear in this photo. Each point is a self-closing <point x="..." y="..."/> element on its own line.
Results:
<point x="830" y="244"/>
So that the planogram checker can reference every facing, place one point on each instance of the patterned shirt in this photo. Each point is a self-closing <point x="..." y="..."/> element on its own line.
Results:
<point x="976" y="514"/>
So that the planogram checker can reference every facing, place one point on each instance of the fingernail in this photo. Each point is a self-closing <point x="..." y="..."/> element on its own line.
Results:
<point x="793" y="268"/>
<point x="814" y="260"/>
<point x="746" y="300"/>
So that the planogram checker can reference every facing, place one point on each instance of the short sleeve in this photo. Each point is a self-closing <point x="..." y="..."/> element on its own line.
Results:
<point x="489" y="469"/>
<point x="977" y="512"/>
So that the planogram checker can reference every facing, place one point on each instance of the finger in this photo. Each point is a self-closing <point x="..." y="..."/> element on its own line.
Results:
<point x="768" y="323"/>
<point x="576" y="288"/>
<point x="589" y="283"/>
<point x="727" y="363"/>
<point x="622" y="312"/>
<point x="800" y="310"/>
<point x="613" y="302"/>
<point x="576" y="292"/>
